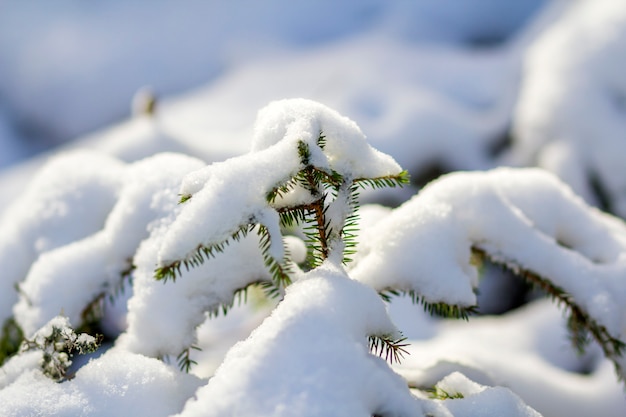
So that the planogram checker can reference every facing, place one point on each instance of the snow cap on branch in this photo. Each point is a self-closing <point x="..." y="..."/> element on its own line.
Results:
<point x="227" y="195"/>
<point x="526" y="219"/>
<point x="318" y="335"/>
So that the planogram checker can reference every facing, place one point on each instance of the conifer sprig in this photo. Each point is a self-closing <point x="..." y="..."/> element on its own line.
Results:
<point x="582" y="327"/>
<point x="314" y="191"/>
<point x="389" y="181"/>
<point x="200" y="255"/>
<point x="184" y="359"/>
<point x="324" y="187"/>
<point x="93" y="312"/>
<point x="388" y="347"/>
<point x="440" y="309"/>
<point x="58" y="347"/>
<point x="281" y="271"/>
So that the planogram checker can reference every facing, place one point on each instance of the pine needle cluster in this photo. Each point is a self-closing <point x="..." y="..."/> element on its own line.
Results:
<point x="58" y="347"/>
<point x="441" y="309"/>
<point x="320" y="191"/>
<point x="389" y="347"/>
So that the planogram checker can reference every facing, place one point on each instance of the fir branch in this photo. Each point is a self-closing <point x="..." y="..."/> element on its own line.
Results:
<point x="58" y="347"/>
<point x="184" y="359"/>
<point x="351" y="225"/>
<point x="304" y="153"/>
<point x="314" y="216"/>
<point x="270" y="289"/>
<point x="392" y="349"/>
<point x="580" y="324"/>
<point x="199" y="256"/>
<point x="296" y="181"/>
<point x="281" y="190"/>
<point x="388" y="181"/>
<point x="93" y="312"/>
<point x="440" y="309"/>
<point x="293" y="216"/>
<point x="389" y="293"/>
<point x="279" y="269"/>
<point x="445" y="310"/>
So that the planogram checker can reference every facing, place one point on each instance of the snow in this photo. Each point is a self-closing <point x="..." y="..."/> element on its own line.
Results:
<point x="503" y="212"/>
<point x="149" y="191"/>
<point x="526" y="350"/>
<point x="346" y="150"/>
<point x="117" y="383"/>
<point x="68" y="199"/>
<point x="434" y="86"/>
<point x="235" y="190"/>
<point x="570" y="115"/>
<point x="70" y="54"/>
<point x="478" y="400"/>
<point x="163" y="317"/>
<point x="332" y="335"/>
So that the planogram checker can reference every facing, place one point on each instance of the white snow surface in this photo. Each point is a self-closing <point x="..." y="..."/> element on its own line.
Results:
<point x="525" y="218"/>
<point x="322" y="340"/>
<point x="94" y="265"/>
<point x="68" y="199"/>
<point x="346" y="150"/>
<point x="117" y="383"/>
<point x="527" y="351"/>
<point x="163" y="317"/>
<point x="478" y="400"/>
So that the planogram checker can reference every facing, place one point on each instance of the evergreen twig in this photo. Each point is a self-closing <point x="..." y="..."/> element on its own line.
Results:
<point x="440" y="309"/>
<point x="580" y="324"/>
<point x="392" y="349"/>
<point x="58" y="347"/>
<point x="184" y="359"/>
<point x="202" y="253"/>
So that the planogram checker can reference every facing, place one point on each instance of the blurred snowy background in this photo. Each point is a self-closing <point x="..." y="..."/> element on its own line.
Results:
<point x="433" y="70"/>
